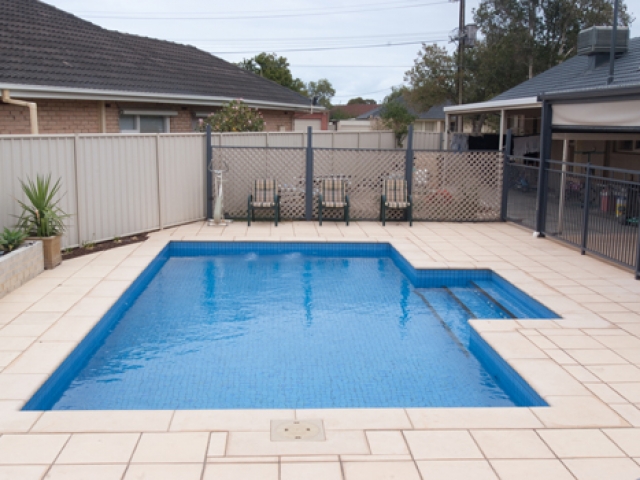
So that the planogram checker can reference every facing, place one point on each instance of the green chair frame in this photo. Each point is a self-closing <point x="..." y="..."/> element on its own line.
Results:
<point x="265" y="195"/>
<point x="394" y="195"/>
<point x="332" y="195"/>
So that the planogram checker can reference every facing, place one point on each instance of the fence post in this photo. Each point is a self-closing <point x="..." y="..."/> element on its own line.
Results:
<point x="638" y="255"/>
<point x="79" y="218"/>
<point x="585" y="217"/>
<point x="160" y="180"/>
<point x="207" y="172"/>
<point x="308" y="197"/>
<point x="506" y="156"/>
<point x="545" y="154"/>
<point x="408" y="166"/>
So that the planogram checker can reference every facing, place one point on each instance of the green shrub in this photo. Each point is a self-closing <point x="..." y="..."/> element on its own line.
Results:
<point x="11" y="239"/>
<point x="235" y="116"/>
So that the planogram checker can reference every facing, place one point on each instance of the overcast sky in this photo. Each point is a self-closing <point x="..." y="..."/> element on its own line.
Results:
<point x="311" y="34"/>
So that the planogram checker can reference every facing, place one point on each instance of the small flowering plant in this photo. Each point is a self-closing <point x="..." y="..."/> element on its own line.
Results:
<point x="236" y="116"/>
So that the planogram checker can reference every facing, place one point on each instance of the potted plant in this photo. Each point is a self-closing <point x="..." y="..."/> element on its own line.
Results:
<point x="42" y="217"/>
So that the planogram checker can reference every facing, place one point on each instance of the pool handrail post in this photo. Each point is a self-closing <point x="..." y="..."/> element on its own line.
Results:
<point x="208" y="173"/>
<point x="506" y="157"/>
<point x="308" y="210"/>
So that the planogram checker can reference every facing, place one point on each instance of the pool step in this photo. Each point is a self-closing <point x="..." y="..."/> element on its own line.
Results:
<point x="479" y="303"/>
<point x="511" y="303"/>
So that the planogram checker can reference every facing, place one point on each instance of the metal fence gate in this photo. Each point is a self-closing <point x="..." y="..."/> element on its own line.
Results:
<point x="596" y="209"/>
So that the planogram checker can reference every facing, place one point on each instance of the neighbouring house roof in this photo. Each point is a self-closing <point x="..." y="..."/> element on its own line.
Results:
<point x="354" y="110"/>
<point x="46" y="50"/>
<point x="434" y="113"/>
<point x="573" y="74"/>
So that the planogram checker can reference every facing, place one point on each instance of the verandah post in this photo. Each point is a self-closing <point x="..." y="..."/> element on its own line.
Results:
<point x="208" y="173"/>
<point x="308" y="197"/>
<point x="545" y="154"/>
<point x="505" y="176"/>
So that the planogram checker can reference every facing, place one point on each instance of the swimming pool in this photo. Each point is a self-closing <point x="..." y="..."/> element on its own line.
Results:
<point x="294" y="325"/>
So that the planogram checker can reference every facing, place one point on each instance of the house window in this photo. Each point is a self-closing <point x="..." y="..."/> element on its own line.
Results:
<point x="628" y="146"/>
<point x="145" y="122"/>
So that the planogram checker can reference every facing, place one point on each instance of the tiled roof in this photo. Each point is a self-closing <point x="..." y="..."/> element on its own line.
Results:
<point x="354" y="110"/>
<point x="434" y="113"/>
<point x="574" y="74"/>
<point x="44" y="46"/>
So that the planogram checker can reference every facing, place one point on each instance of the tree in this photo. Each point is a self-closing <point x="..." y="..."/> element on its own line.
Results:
<point x="323" y="90"/>
<point x="274" y="68"/>
<point x="235" y="116"/>
<point x="397" y="92"/>
<point x="545" y="31"/>
<point x="361" y="101"/>
<point x="395" y="116"/>
<point x="432" y="78"/>
<point x="339" y="114"/>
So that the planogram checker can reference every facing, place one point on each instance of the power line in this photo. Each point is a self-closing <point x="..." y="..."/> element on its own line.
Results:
<point x="288" y="39"/>
<point x="347" y="47"/>
<point x="329" y="12"/>
<point x="351" y="66"/>
<point x="300" y="10"/>
<point x="362" y="94"/>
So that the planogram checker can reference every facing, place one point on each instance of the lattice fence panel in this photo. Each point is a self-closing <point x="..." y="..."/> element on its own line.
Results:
<point x="286" y="165"/>
<point x="457" y="186"/>
<point x="364" y="171"/>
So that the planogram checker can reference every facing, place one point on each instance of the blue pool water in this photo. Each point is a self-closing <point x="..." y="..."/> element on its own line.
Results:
<point x="221" y="326"/>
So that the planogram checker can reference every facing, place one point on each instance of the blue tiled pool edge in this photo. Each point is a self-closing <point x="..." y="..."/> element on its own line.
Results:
<point x="43" y="399"/>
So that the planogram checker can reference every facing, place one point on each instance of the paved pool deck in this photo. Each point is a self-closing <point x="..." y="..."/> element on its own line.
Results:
<point x="586" y="365"/>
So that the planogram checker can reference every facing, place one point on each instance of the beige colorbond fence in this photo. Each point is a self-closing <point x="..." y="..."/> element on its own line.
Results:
<point x="114" y="185"/>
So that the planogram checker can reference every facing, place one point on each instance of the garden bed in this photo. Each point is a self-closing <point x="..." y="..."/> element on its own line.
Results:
<point x="20" y="266"/>
<point x="88" y="248"/>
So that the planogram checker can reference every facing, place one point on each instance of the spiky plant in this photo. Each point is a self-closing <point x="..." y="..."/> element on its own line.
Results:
<point x="41" y="216"/>
<point x="11" y="239"/>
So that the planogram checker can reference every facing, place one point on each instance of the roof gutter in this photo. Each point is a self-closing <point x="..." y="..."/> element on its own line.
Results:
<point x="66" y="93"/>
<point x="513" y="104"/>
<point x="592" y="94"/>
<point x="33" y="109"/>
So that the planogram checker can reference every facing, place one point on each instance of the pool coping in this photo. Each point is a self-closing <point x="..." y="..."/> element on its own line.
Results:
<point x="519" y="342"/>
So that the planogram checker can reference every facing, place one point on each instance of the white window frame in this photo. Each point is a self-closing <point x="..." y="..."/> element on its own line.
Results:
<point x="136" y="114"/>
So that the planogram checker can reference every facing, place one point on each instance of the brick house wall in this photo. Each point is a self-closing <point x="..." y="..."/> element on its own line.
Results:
<point x="80" y="116"/>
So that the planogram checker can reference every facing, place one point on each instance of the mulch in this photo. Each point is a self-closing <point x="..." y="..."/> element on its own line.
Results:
<point x="99" y="247"/>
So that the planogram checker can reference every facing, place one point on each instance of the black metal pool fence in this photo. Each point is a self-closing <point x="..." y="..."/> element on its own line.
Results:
<point x="594" y="208"/>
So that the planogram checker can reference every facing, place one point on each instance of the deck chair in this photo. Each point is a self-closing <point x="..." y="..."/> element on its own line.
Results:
<point x="332" y="195"/>
<point x="394" y="195"/>
<point x="265" y="195"/>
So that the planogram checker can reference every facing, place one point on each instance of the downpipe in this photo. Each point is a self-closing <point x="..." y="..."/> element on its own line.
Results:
<point x="33" y="109"/>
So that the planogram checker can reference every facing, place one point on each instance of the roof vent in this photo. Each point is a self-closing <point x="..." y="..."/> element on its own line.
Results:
<point x="598" y="40"/>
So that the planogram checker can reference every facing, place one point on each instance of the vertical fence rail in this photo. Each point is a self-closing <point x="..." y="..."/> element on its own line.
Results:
<point x="585" y="209"/>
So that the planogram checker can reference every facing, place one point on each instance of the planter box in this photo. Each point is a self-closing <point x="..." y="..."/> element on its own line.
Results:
<point x="52" y="250"/>
<point x="20" y="266"/>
